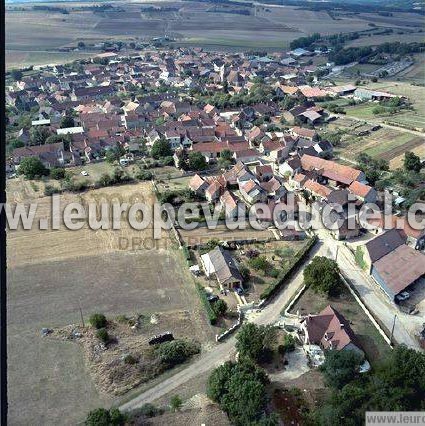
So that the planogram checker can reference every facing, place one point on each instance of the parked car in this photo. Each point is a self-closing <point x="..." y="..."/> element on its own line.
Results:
<point x="213" y="298"/>
<point x="402" y="296"/>
<point x="84" y="173"/>
<point x="239" y="290"/>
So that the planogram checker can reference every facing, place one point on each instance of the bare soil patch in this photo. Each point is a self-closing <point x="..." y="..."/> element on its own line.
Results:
<point x="127" y="360"/>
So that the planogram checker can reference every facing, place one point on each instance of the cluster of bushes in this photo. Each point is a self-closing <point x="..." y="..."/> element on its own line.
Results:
<point x="99" y="322"/>
<point x="186" y="253"/>
<point x="118" y="177"/>
<point x="397" y="384"/>
<point x="359" y="257"/>
<point x="260" y="263"/>
<point x="408" y="179"/>
<point x="209" y="245"/>
<point x="176" y="197"/>
<point x="191" y="161"/>
<point x="351" y="54"/>
<point x="285" y="272"/>
<point x="259" y="92"/>
<point x="146" y="411"/>
<point x="144" y="175"/>
<point x="75" y="186"/>
<point x="389" y="107"/>
<point x="50" y="190"/>
<point x="372" y="167"/>
<point x="304" y="42"/>
<point x="176" y="352"/>
<point x="212" y="316"/>
<point x="337" y="109"/>
<point x="104" y="417"/>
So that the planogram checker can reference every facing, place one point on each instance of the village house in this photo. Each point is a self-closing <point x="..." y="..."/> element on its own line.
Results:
<point x="302" y="132"/>
<point x="335" y="174"/>
<point x="231" y="205"/>
<point x="379" y="223"/>
<point x="363" y="192"/>
<point x="329" y="330"/>
<point x="198" y="185"/>
<point x="223" y="266"/>
<point x="252" y="192"/>
<point x="263" y="172"/>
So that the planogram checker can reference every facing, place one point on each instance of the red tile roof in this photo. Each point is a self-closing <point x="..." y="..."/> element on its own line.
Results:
<point x="329" y="329"/>
<point x="317" y="188"/>
<point x="303" y="132"/>
<point x="359" y="189"/>
<point x="196" y="182"/>
<point x="309" y="162"/>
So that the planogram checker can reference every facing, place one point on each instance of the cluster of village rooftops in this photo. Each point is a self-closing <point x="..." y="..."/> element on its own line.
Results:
<point x="136" y="101"/>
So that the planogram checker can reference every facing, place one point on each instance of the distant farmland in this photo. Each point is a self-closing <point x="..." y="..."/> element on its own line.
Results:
<point x="35" y="37"/>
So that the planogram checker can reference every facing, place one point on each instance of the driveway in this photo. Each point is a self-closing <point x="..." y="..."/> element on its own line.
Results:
<point x="296" y="367"/>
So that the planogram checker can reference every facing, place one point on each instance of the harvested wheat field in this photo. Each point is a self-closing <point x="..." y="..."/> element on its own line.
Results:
<point x="52" y="273"/>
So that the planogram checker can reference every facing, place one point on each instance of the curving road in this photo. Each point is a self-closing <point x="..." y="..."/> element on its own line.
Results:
<point x="226" y="350"/>
<point x="365" y="286"/>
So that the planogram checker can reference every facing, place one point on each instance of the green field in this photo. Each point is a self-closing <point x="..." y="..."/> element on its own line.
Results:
<point x="413" y="119"/>
<point x="387" y="143"/>
<point x="363" y="111"/>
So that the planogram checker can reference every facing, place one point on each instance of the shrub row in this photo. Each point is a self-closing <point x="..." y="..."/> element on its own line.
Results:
<point x="284" y="274"/>
<point x="186" y="254"/>
<point x="212" y="317"/>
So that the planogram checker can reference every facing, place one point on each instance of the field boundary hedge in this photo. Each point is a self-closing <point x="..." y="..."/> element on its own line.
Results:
<point x="212" y="317"/>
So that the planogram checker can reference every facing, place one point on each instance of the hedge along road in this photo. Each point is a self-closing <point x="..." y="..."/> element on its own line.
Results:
<point x="226" y="350"/>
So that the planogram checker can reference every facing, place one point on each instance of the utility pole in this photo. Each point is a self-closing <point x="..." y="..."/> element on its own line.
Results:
<point x="81" y="313"/>
<point x="392" y="330"/>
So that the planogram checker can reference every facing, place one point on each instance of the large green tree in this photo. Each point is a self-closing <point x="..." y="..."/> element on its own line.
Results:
<point x="161" y="148"/>
<point x="255" y="341"/>
<point x="341" y="367"/>
<point x="398" y="384"/>
<point x="197" y="161"/>
<point x="67" y="121"/>
<point x="32" y="167"/>
<point x="16" y="75"/>
<point x="322" y="275"/>
<point x="39" y="134"/>
<point x="412" y="162"/>
<point x="240" y="390"/>
<point x="226" y="158"/>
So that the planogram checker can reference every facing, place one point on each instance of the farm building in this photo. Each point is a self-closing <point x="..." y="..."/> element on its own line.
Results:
<point x="398" y="270"/>
<point x="394" y="265"/>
